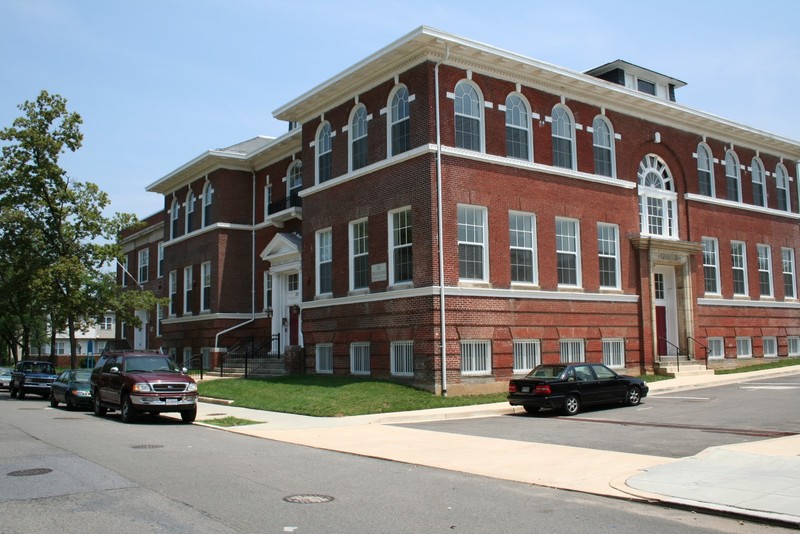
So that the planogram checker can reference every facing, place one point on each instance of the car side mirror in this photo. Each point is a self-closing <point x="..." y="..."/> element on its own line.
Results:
<point x="114" y="370"/>
<point x="184" y="370"/>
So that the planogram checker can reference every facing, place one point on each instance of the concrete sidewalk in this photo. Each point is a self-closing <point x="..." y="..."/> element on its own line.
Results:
<point x="759" y="480"/>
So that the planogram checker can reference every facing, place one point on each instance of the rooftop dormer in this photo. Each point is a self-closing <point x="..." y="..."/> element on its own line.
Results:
<point x="638" y="79"/>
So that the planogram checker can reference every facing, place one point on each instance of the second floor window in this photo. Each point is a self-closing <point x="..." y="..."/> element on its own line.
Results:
<point x="323" y="148"/>
<point x="173" y="293"/>
<point x="608" y="252"/>
<point x="295" y="182"/>
<point x="568" y="252"/>
<point x="208" y="197"/>
<point x="782" y="186"/>
<point x="324" y="262"/>
<point x="759" y="184"/>
<point x="174" y="215"/>
<point x="789" y="284"/>
<point x="705" y="171"/>
<point x="190" y="201"/>
<point x="711" y="265"/>
<point x="358" y="138"/>
<point x="563" y="134"/>
<point x="739" y="263"/>
<point x="399" y="123"/>
<point x="522" y="238"/>
<point x="603" y="141"/>
<point x="468" y="115"/>
<point x="733" y="177"/>
<point x="657" y="199"/>
<point x="518" y="126"/>
<point x="144" y="265"/>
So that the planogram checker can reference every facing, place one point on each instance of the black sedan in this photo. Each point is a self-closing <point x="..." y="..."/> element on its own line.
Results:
<point x="568" y="386"/>
<point x="72" y="388"/>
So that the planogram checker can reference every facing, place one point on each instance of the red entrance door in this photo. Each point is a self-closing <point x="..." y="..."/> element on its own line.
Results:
<point x="661" y="329"/>
<point x="294" y="320"/>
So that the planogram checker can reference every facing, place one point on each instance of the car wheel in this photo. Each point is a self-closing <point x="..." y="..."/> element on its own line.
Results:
<point x="634" y="396"/>
<point x="531" y="409"/>
<point x="53" y="401"/>
<point x="127" y="412"/>
<point x="188" y="416"/>
<point x="99" y="411"/>
<point x="572" y="405"/>
<point x="68" y="402"/>
<point x="21" y="394"/>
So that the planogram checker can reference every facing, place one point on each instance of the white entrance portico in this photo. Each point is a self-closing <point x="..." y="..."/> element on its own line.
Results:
<point x="282" y="288"/>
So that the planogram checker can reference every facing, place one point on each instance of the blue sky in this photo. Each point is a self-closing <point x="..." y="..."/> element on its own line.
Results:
<point x="158" y="82"/>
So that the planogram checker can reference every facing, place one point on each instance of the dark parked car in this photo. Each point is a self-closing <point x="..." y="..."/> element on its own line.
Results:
<point x="5" y="378"/>
<point x="136" y="382"/>
<point x="32" y="377"/>
<point x="569" y="386"/>
<point x="72" y="388"/>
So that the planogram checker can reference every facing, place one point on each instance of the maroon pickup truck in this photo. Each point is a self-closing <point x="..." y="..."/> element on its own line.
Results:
<point x="136" y="382"/>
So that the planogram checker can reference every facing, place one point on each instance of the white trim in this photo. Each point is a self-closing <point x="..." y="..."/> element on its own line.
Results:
<point x="735" y="303"/>
<point x="741" y="206"/>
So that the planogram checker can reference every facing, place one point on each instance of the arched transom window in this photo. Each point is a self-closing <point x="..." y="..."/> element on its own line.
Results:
<point x="657" y="199"/>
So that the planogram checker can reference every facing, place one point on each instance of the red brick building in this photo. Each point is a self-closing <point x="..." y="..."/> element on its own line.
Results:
<point x="449" y="214"/>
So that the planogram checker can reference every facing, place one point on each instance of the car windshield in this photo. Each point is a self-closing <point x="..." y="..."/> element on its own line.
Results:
<point x="44" y="368"/>
<point x="150" y="364"/>
<point x="546" y="371"/>
<point x="82" y="375"/>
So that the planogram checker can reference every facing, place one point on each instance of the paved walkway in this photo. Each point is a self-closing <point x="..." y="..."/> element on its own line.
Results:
<point x="760" y="479"/>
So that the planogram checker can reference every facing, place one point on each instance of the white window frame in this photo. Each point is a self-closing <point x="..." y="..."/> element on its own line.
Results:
<point x="732" y="175"/>
<point x="765" y="269"/>
<point x="744" y="347"/>
<point x="360" y="358"/>
<point x="769" y="346"/>
<point x="739" y="263"/>
<point x="358" y="130"/>
<point x="527" y="354"/>
<point x="267" y="290"/>
<point x="399" y="110"/>
<point x="174" y="217"/>
<point x="793" y="345"/>
<point x="782" y="185"/>
<point x="208" y="199"/>
<point x="401" y="355"/>
<point x="173" y="293"/>
<point x="144" y="266"/>
<point x="399" y="241"/>
<point x="711" y="262"/>
<point x="188" y="282"/>
<point x="759" y="181"/>
<point x="323" y="146"/>
<point x="572" y="350"/>
<point x="473" y="231"/>
<point x="524" y="240"/>
<point x="789" y="269"/>
<point x="662" y="198"/>
<point x="716" y="348"/>
<point x="705" y="163"/>
<point x="476" y="357"/>
<point x="614" y="353"/>
<point x="294" y="181"/>
<point x="563" y="239"/>
<point x="323" y="357"/>
<point x="324" y="256"/>
<point x="518" y="118"/>
<point x="473" y="113"/>
<point x="358" y="249"/>
<point x="160" y="268"/>
<point x="563" y="128"/>
<point x="268" y="199"/>
<point x="603" y="140"/>
<point x="603" y="251"/>
<point x="205" y="277"/>
<point x="188" y="215"/>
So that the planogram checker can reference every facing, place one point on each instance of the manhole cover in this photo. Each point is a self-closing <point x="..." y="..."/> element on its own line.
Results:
<point x="147" y="447"/>
<point x="30" y="472"/>
<point x="308" y="499"/>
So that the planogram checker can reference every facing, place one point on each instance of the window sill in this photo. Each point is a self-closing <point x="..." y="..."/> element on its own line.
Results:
<point x="401" y="285"/>
<point x="324" y="296"/>
<point x="356" y="292"/>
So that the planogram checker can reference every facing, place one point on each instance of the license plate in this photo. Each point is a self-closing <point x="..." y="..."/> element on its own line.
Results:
<point x="172" y="401"/>
<point x="526" y="389"/>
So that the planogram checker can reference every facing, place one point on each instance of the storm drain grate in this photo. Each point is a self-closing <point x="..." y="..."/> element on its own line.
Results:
<point x="30" y="472"/>
<point x="308" y="499"/>
<point x="147" y="447"/>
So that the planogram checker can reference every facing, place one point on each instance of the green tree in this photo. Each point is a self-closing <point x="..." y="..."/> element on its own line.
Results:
<point x="70" y="241"/>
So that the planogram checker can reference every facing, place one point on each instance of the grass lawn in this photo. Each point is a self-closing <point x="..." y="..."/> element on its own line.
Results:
<point x="331" y="396"/>
<point x="338" y="396"/>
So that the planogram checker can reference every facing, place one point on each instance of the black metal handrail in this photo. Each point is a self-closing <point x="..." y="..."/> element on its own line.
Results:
<point x="705" y="348"/>
<point x="678" y="354"/>
<point x="292" y="201"/>
<point x="249" y="355"/>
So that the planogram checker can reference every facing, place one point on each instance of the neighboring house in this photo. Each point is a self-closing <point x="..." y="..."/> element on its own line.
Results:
<point x="551" y="215"/>
<point x="90" y="343"/>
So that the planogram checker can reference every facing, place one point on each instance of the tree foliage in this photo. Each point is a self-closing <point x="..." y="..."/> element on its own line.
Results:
<point x="57" y="244"/>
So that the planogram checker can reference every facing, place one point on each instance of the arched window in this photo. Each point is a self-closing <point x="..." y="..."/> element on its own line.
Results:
<point x="208" y="195"/>
<point x="603" y="141"/>
<point x="782" y="185"/>
<point x="174" y="216"/>
<point x="323" y="148"/>
<point x="190" y="200"/>
<point x="705" y="171"/>
<point x="399" y="121"/>
<point x="469" y="113"/>
<point x="732" y="176"/>
<point x="563" y="138"/>
<point x="294" y="183"/>
<point x="518" y="128"/>
<point x="759" y="183"/>
<point x="657" y="199"/>
<point x="358" y="138"/>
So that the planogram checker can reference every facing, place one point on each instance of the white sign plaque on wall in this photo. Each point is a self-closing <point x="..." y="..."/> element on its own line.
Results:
<point x="379" y="272"/>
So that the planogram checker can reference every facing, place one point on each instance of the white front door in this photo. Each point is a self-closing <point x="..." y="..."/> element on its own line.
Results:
<point x="666" y="311"/>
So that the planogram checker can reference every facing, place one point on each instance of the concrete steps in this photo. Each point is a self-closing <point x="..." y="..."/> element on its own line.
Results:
<point x="686" y="368"/>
